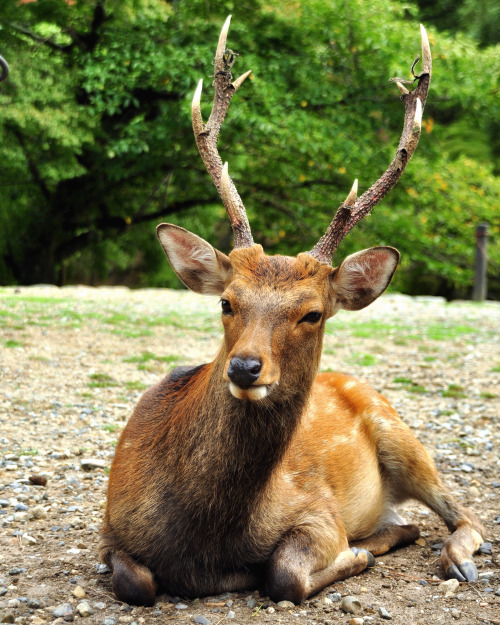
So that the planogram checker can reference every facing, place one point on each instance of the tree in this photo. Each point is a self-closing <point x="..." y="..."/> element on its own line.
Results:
<point x="97" y="145"/>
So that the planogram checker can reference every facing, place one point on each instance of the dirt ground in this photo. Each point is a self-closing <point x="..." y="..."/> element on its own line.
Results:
<point x="73" y="363"/>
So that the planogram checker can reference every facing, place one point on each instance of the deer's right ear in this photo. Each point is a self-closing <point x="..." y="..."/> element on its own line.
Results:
<point x="201" y="267"/>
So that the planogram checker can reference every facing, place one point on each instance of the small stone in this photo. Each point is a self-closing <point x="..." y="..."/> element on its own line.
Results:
<point x="21" y="507"/>
<point x="99" y="605"/>
<point x="16" y="571"/>
<point x="474" y="492"/>
<point x="384" y="614"/>
<point x="270" y="610"/>
<point x="335" y="597"/>
<point x="351" y="605"/>
<point x="455" y="613"/>
<point x="38" y="480"/>
<point x="35" y="604"/>
<point x="356" y="620"/>
<point x="181" y="606"/>
<point x="449" y="586"/>
<point x="3" y="591"/>
<point x="26" y="540"/>
<point x="39" y="512"/>
<point x="79" y="593"/>
<point x="420" y="542"/>
<point x="84" y="609"/>
<point x="90" y="464"/>
<point x="8" y="618"/>
<point x="485" y="548"/>
<point x="65" y="611"/>
<point x="108" y="620"/>
<point x="285" y="604"/>
<point x="202" y="620"/>
<point x="251" y="603"/>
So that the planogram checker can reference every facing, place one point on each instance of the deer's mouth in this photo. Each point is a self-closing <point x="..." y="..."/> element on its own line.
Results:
<point x="253" y="393"/>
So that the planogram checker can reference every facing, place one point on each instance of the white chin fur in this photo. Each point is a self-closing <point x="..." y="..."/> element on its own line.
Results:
<point x="253" y="393"/>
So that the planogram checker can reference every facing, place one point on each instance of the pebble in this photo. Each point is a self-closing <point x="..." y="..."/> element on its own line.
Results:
<point x="35" y="604"/>
<point x="79" y="593"/>
<point x="351" y="605"/>
<point x="449" y="586"/>
<point x="84" y="609"/>
<point x="285" y="604"/>
<point x="270" y="610"/>
<point x="39" y="512"/>
<point x="485" y="548"/>
<point x="181" y="606"/>
<point x="108" y="620"/>
<point x="384" y="614"/>
<point x="357" y="620"/>
<point x="335" y="597"/>
<point x="64" y="611"/>
<point x="231" y="614"/>
<point x="202" y="620"/>
<point x="251" y="603"/>
<point x="89" y="464"/>
<point x="455" y="613"/>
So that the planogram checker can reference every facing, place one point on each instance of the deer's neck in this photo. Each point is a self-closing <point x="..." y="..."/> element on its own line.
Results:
<point x="225" y="451"/>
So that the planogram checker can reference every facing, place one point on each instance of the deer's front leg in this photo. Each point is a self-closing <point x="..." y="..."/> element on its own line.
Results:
<point x="305" y="561"/>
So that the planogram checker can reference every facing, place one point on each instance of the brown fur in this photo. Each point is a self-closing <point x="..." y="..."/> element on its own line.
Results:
<point x="211" y="493"/>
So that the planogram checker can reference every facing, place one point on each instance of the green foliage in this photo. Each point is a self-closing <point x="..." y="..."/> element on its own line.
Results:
<point x="97" y="147"/>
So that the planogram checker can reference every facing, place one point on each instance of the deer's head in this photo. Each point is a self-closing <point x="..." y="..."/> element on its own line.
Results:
<point x="274" y="308"/>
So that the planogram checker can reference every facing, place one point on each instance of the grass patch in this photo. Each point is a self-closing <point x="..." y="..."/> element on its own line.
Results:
<point x="487" y="395"/>
<point x="111" y="427"/>
<point x="13" y="344"/>
<point x="410" y="385"/>
<point x="147" y="358"/>
<point x="101" y="380"/>
<point x="441" y="332"/>
<point x="454" y="390"/>
<point x="135" y="385"/>
<point x="363" y="360"/>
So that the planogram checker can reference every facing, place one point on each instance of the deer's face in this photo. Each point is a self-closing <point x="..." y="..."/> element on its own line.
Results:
<point x="274" y="308"/>
<point x="274" y="311"/>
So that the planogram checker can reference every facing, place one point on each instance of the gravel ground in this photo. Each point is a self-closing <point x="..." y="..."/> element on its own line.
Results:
<point x="73" y="363"/>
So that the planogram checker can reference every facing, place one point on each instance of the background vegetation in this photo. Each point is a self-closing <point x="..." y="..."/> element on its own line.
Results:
<point x="96" y="143"/>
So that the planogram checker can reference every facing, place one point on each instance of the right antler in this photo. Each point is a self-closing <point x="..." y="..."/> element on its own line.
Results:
<point x="352" y="210"/>
<point x="206" y="136"/>
<point x="5" y="69"/>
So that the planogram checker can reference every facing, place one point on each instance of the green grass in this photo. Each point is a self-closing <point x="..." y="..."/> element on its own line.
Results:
<point x="410" y="385"/>
<point x="454" y="390"/>
<point x="363" y="360"/>
<point x="13" y="344"/>
<point x="135" y="385"/>
<point x="101" y="380"/>
<point x="442" y="332"/>
<point x="145" y="359"/>
<point x="111" y="427"/>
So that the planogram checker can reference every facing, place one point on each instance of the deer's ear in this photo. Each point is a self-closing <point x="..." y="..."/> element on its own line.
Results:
<point x="200" y="266"/>
<point x="363" y="276"/>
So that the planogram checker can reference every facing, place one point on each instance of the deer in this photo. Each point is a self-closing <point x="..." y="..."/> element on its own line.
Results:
<point x="254" y="470"/>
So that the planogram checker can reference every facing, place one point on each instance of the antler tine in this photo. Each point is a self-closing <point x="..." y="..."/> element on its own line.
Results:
<point x="5" y="69"/>
<point x="353" y="210"/>
<point x="206" y="137"/>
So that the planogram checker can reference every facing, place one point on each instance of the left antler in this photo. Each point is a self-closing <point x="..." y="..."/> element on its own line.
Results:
<point x="353" y="210"/>
<point x="206" y="136"/>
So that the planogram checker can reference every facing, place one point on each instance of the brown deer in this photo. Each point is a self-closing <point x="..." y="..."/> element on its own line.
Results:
<point x="254" y="471"/>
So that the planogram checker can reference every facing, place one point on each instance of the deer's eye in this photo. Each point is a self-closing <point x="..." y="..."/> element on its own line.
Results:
<point x="226" y="307"/>
<point x="312" y="317"/>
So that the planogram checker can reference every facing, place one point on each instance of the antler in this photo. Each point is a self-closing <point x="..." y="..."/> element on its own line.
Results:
<point x="353" y="210"/>
<point x="206" y="136"/>
<point x="5" y="69"/>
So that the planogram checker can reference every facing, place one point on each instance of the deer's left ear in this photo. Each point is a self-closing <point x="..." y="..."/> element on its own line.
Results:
<point x="363" y="276"/>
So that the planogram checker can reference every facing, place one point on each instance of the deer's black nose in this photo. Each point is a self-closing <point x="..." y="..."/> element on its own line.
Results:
<point x="244" y="371"/>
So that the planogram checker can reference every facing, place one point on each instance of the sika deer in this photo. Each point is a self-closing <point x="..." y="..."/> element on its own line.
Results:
<point x="253" y="470"/>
